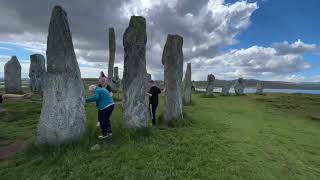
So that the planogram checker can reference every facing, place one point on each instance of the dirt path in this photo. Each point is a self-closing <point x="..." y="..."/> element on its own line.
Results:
<point x="12" y="149"/>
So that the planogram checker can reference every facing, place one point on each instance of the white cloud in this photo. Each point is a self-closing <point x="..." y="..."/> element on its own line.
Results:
<point x="298" y="47"/>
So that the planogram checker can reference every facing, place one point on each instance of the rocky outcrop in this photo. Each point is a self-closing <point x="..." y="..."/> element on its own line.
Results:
<point x="63" y="114"/>
<point x="135" y="114"/>
<point x="12" y="76"/>
<point x="37" y="72"/>
<point x="172" y="59"/>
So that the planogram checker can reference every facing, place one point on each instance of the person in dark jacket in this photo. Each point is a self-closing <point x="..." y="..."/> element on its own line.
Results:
<point x="153" y="94"/>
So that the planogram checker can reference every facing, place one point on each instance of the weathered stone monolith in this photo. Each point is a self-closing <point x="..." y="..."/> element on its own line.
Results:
<point x="135" y="114"/>
<point x="210" y="85"/>
<point x="226" y="88"/>
<point x="116" y="80"/>
<point x="12" y="76"/>
<point x="37" y="72"/>
<point x="62" y="117"/>
<point x="112" y="52"/>
<point x="187" y="85"/>
<point x="260" y="88"/>
<point x="149" y="78"/>
<point x="172" y="59"/>
<point x="239" y="87"/>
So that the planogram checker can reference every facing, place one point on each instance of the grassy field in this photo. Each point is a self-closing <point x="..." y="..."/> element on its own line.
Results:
<point x="249" y="137"/>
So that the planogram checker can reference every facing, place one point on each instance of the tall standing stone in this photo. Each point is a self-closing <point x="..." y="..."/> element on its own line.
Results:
<point x="37" y="72"/>
<point x="63" y="114"/>
<point x="226" y="88"/>
<point x="260" y="88"/>
<point x="210" y="85"/>
<point x="172" y="59"/>
<point x="116" y="80"/>
<point x="112" y="52"/>
<point x="187" y="85"/>
<point x="12" y="76"/>
<point x="239" y="87"/>
<point x="135" y="114"/>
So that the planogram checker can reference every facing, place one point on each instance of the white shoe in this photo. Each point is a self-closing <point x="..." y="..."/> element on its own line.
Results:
<point x="98" y="124"/>
<point x="106" y="136"/>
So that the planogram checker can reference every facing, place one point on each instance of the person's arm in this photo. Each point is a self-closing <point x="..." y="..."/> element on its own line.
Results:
<point x="149" y="93"/>
<point x="93" y="98"/>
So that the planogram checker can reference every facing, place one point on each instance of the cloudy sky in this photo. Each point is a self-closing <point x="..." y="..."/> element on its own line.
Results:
<point x="261" y="39"/>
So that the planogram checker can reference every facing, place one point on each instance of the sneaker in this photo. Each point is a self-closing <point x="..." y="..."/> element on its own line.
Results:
<point x="105" y="136"/>
<point x="98" y="124"/>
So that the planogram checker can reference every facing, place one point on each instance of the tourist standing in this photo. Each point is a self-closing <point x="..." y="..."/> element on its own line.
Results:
<point x="153" y="94"/>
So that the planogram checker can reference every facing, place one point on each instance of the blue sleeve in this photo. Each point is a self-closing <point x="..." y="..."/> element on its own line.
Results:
<point x="93" y="98"/>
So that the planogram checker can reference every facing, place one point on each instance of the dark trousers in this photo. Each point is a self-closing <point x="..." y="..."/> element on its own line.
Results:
<point x="152" y="110"/>
<point x="104" y="119"/>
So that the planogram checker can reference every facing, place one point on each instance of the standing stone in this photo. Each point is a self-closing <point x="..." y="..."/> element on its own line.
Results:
<point x="116" y="80"/>
<point x="37" y="72"/>
<point x="172" y="59"/>
<point x="63" y="116"/>
<point x="149" y="78"/>
<point x="135" y="114"/>
<point x="12" y="76"/>
<point x="112" y="52"/>
<point x="116" y="74"/>
<point x="226" y="88"/>
<point x="260" y="88"/>
<point x="239" y="87"/>
<point x="210" y="86"/>
<point x="187" y="85"/>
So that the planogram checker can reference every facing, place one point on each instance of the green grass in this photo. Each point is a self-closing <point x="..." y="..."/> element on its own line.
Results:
<point x="247" y="137"/>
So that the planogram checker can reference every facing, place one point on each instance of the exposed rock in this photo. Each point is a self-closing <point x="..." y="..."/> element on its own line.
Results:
<point x="260" y="88"/>
<point x="226" y="88"/>
<point x="187" y="85"/>
<point x="172" y="59"/>
<point x="112" y="52"/>
<point x="239" y="87"/>
<point x="12" y="76"/>
<point x="37" y="72"/>
<point x="210" y="86"/>
<point x="135" y="114"/>
<point x="63" y="114"/>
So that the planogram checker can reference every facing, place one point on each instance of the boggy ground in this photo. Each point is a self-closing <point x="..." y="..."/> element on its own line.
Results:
<point x="249" y="137"/>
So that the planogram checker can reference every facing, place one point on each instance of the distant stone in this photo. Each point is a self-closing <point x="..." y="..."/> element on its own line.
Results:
<point x="239" y="87"/>
<point x="112" y="53"/>
<point x="260" y="88"/>
<point x="210" y="86"/>
<point x="149" y="78"/>
<point x="12" y="76"/>
<point x="135" y="114"/>
<point x="116" y="80"/>
<point x="37" y="72"/>
<point x="172" y="59"/>
<point x="63" y="116"/>
<point x="187" y="85"/>
<point x="226" y="88"/>
<point x="96" y="147"/>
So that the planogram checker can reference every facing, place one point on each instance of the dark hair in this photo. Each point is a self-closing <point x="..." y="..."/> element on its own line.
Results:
<point x="151" y="81"/>
<point x="102" y="74"/>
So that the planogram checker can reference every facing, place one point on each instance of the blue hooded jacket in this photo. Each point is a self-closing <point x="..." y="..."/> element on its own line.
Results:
<point x="102" y="98"/>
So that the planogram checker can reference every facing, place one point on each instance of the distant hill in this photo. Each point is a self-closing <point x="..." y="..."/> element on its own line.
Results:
<point x="267" y="84"/>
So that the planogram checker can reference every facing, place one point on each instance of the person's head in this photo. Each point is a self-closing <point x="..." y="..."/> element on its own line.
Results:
<point x="102" y="74"/>
<point x="92" y="88"/>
